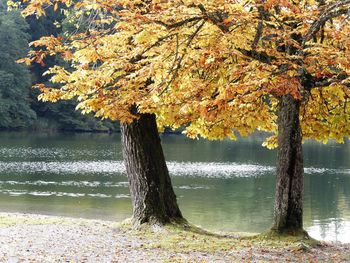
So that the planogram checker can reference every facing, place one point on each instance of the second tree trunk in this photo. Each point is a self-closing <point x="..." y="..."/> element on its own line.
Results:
<point x="288" y="211"/>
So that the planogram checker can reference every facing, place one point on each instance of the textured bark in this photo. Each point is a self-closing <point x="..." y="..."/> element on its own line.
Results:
<point x="288" y="212"/>
<point x="152" y="194"/>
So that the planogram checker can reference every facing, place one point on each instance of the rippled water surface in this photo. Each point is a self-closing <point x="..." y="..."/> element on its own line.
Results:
<point x="222" y="186"/>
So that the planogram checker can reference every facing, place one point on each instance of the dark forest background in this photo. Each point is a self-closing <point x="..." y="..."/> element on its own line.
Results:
<point x="19" y="107"/>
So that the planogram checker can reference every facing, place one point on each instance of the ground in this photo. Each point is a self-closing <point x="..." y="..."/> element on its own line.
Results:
<point x="38" y="238"/>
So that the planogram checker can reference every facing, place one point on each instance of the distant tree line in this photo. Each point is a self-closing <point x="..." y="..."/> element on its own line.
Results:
<point x="19" y="107"/>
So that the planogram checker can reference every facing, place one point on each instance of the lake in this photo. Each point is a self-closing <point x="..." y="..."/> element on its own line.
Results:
<point x="221" y="185"/>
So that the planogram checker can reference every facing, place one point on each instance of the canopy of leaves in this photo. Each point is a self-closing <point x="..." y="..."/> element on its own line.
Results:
<point x="211" y="65"/>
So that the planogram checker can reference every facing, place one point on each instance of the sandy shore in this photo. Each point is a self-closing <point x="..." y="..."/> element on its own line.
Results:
<point x="38" y="238"/>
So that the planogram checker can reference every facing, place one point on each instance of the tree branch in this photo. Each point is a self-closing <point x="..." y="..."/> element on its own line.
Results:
<point x="180" y="23"/>
<point x="330" y="12"/>
<point x="180" y="59"/>
<point x="327" y="82"/>
<point x="260" y="56"/>
<point x="217" y="18"/>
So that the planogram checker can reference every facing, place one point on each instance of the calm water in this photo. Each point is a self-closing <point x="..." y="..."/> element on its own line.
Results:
<point x="222" y="186"/>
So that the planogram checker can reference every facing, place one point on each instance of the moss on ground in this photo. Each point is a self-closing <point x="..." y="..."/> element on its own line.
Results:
<point x="301" y="238"/>
<point x="185" y="238"/>
<point x="8" y="220"/>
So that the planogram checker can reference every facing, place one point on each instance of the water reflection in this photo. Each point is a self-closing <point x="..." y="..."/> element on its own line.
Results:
<point x="222" y="186"/>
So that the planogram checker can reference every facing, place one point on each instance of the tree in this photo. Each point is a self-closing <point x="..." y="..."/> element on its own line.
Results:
<point x="153" y="197"/>
<point x="276" y="65"/>
<point x="15" y="83"/>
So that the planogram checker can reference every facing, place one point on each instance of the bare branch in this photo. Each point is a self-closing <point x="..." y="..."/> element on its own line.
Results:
<point x="334" y="10"/>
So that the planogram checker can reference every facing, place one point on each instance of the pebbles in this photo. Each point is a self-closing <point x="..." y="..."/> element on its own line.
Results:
<point x="36" y="238"/>
<point x="46" y="239"/>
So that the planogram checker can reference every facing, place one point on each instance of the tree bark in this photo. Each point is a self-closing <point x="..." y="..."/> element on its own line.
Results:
<point x="288" y="211"/>
<point x="152" y="194"/>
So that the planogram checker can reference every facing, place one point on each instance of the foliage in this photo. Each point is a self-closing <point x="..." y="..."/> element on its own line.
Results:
<point x="15" y="111"/>
<point x="211" y="65"/>
<point x="59" y="116"/>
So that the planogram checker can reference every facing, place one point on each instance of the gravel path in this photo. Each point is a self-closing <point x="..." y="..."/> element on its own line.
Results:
<point x="38" y="238"/>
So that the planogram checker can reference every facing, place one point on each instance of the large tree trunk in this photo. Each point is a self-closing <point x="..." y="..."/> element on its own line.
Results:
<point x="288" y="212"/>
<point x="152" y="194"/>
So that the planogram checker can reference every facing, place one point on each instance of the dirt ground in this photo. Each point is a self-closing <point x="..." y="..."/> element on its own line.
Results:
<point x="38" y="238"/>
